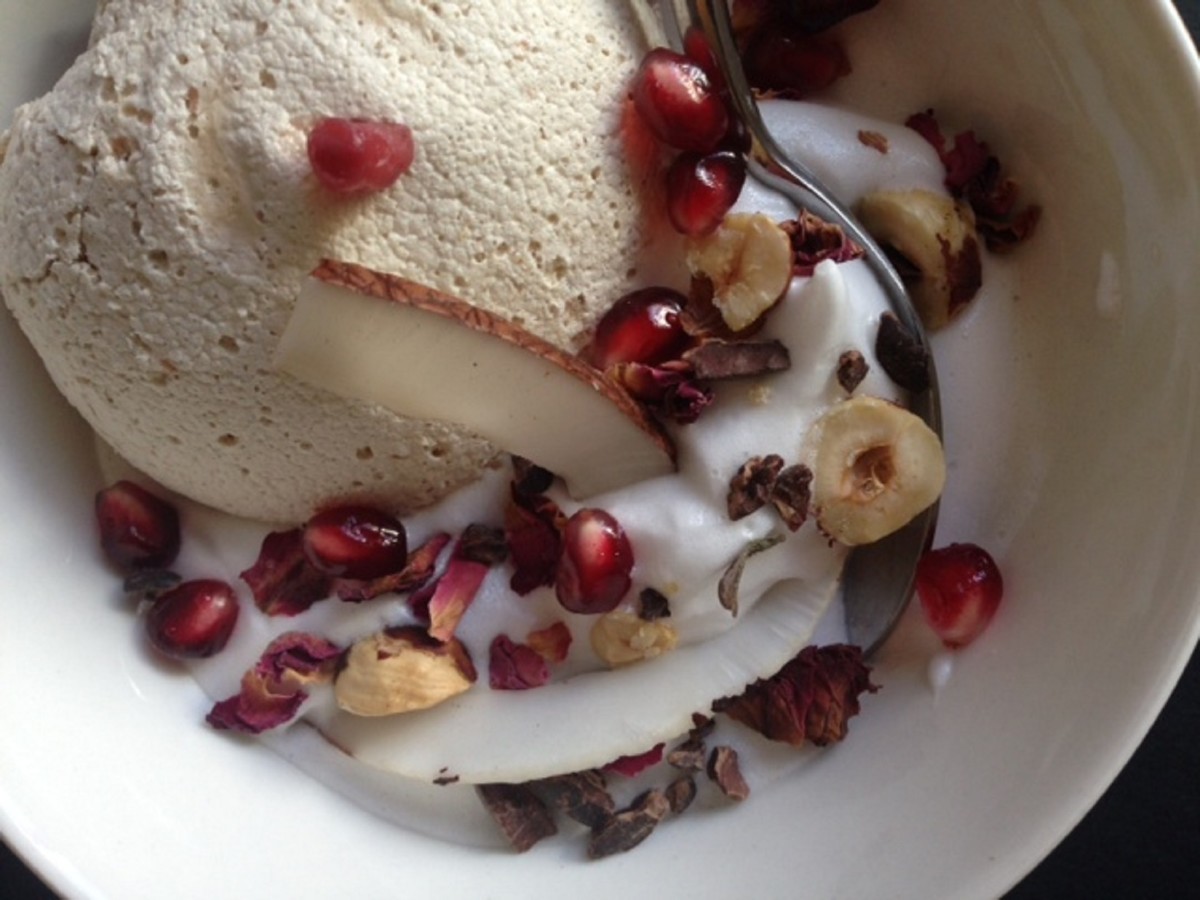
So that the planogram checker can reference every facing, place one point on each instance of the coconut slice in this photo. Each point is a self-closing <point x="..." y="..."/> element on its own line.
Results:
<point x="427" y="355"/>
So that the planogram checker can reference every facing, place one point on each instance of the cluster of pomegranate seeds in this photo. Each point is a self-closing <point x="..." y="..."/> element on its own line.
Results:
<point x="594" y="571"/>
<point x="358" y="542"/>
<point x="645" y="326"/>
<point x="681" y="100"/>
<point x="137" y="529"/>
<point x="193" y="620"/>
<point x="354" y="156"/>
<point x="960" y="588"/>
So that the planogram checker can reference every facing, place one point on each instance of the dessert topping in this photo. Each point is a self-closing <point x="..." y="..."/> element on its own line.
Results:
<point x="523" y="818"/>
<point x="138" y="530"/>
<point x="875" y="467"/>
<point x="701" y="188"/>
<point x="748" y="260"/>
<point x="852" y="368"/>
<point x="626" y="829"/>
<point x="273" y="690"/>
<point x="620" y="638"/>
<point x="644" y="326"/>
<point x="904" y="358"/>
<point x="677" y="101"/>
<point x="975" y="175"/>
<point x="594" y="571"/>
<point x="355" y="156"/>
<point x="358" y="542"/>
<point x="727" y="587"/>
<point x="636" y="763"/>
<point x="960" y="587"/>
<point x="399" y="670"/>
<point x="726" y="773"/>
<point x="282" y="580"/>
<point x="193" y="620"/>
<point x="811" y="699"/>
<point x="552" y="643"/>
<point x="515" y="667"/>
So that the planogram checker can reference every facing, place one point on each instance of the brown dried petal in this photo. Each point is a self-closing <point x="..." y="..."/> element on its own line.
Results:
<point x="727" y="587"/>
<point x="852" y="368"/>
<point x="814" y="240"/>
<point x="716" y="359"/>
<point x="523" y="818"/>
<point x="630" y="827"/>
<point x="582" y="795"/>
<point x="726" y="773"/>
<point x="791" y="494"/>
<point x="750" y="488"/>
<point x="902" y="356"/>
<point x="812" y="698"/>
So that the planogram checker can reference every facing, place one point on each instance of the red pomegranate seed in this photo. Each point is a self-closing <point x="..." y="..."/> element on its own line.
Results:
<point x="643" y="327"/>
<point x="701" y="189"/>
<point x="355" y="542"/>
<point x="678" y="102"/>
<point x="960" y="587"/>
<point x="794" y="63"/>
<point x="593" y="574"/>
<point x="137" y="529"/>
<point x="700" y="51"/>
<point x="193" y="619"/>
<point x="351" y="156"/>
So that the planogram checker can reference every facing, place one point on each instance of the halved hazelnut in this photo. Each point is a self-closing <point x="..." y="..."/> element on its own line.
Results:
<point x="748" y="259"/>
<point x="400" y="670"/>
<point x="935" y="235"/>
<point x="622" y="637"/>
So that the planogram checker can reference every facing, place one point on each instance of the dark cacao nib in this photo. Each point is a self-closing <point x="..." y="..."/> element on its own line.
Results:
<point x="523" y="818"/>
<point x="852" y="368"/>
<point x="583" y="796"/>
<point x="653" y="605"/>
<point x="902" y="356"/>
<point x="680" y="793"/>
<point x="716" y="359"/>
<point x="628" y="828"/>
<point x="791" y="494"/>
<point x="726" y="773"/>
<point x="750" y="488"/>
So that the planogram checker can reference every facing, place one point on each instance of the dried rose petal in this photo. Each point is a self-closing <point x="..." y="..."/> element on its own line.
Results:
<point x="726" y="773"/>
<point x="812" y="698"/>
<point x="551" y="643"/>
<point x="282" y="580"/>
<point x="272" y="692"/>
<point x="453" y="595"/>
<point x="670" y="389"/>
<point x="636" y="763"/>
<point x="814" y="240"/>
<point x="533" y="526"/>
<point x="415" y="574"/>
<point x="522" y="817"/>
<point x="515" y="667"/>
<point x="628" y="828"/>
<point x="973" y="173"/>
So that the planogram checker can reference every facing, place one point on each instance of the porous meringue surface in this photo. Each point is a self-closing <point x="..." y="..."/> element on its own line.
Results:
<point x="160" y="214"/>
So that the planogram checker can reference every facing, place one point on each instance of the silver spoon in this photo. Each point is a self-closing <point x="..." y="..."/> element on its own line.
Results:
<point x="877" y="582"/>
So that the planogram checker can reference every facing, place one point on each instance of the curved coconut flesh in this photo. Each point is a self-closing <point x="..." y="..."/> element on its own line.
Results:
<point x="590" y="719"/>
<point x="425" y="354"/>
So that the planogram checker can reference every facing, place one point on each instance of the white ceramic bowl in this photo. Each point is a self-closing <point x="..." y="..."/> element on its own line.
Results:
<point x="1072" y="427"/>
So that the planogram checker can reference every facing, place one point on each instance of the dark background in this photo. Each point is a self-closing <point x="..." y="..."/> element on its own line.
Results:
<point x="1142" y="840"/>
